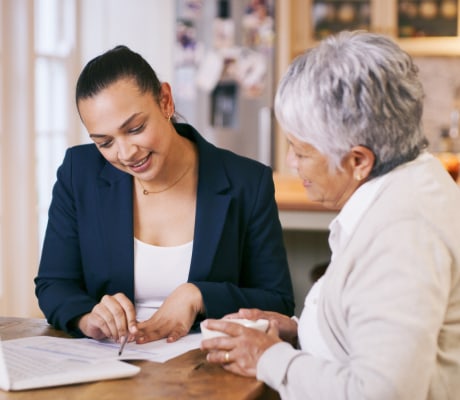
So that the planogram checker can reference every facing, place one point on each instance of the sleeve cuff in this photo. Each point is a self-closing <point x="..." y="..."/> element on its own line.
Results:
<point x="273" y="365"/>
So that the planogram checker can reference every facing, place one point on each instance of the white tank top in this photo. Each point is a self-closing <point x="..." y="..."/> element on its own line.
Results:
<point x="157" y="272"/>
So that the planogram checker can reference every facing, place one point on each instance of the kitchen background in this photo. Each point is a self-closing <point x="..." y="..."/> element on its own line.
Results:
<point x="226" y="59"/>
<point x="441" y="81"/>
<point x="223" y="61"/>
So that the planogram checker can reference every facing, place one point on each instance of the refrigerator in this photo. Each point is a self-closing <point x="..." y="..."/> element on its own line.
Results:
<point x="224" y="78"/>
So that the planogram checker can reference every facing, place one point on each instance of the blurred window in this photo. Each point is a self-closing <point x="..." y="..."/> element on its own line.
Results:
<point x="54" y="38"/>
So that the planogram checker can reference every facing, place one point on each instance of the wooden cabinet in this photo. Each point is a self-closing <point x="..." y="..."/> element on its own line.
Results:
<point x="385" y="16"/>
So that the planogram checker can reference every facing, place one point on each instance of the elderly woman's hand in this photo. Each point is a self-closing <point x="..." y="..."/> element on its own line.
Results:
<point x="287" y="326"/>
<point x="240" y="351"/>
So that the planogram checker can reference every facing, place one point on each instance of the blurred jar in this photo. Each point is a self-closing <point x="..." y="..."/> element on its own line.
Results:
<point x="428" y="9"/>
<point x="449" y="9"/>
<point x="346" y="13"/>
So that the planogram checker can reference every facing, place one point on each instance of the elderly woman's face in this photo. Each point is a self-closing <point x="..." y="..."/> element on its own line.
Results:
<point x="330" y="188"/>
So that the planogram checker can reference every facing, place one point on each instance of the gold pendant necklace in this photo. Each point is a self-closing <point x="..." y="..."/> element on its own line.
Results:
<point x="147" y="192"/>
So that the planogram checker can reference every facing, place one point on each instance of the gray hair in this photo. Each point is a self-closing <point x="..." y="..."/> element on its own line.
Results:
<point x="354" y="88"/>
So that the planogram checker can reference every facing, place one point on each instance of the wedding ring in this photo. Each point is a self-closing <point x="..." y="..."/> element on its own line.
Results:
<point x="227" y="357"/>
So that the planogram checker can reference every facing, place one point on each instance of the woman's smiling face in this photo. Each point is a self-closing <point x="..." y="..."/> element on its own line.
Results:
<point x="331" y="188"/>
<point x="130" y="128"/>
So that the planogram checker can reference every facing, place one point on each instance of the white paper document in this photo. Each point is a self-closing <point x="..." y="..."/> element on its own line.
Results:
<point x="42" y="361"/>
<point x="159" y="350"/>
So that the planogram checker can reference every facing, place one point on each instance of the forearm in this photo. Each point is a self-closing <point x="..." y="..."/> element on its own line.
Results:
<point x="221" y="298"/>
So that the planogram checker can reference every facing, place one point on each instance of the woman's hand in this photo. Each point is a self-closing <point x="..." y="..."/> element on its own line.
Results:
<point x="240" y="351"/>
<point x="175" y="317"/>
<point x="287" y="327"/>
<point x="114" y="317"/>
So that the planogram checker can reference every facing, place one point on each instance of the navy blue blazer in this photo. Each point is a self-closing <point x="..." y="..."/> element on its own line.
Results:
<point x="238" y="258"/>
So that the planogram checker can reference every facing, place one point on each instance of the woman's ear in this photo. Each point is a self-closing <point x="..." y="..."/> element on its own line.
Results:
<point x="362" y="161"/>
<point x="166" y="100"/>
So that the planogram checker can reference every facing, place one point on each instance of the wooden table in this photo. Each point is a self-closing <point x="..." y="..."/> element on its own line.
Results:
<point x="188" y="376"/>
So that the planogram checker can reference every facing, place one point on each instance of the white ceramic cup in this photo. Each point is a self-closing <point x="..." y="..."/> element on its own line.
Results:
<point x="260" y="324"/>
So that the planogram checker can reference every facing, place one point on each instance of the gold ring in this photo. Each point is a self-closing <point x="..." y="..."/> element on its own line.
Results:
<point x="227" y="357"/>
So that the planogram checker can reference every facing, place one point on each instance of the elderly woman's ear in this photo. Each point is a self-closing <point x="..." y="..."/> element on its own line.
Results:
<point x="361" y="160"/>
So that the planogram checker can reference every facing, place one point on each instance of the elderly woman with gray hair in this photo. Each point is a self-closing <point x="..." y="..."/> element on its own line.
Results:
<point x="384" y="321"/>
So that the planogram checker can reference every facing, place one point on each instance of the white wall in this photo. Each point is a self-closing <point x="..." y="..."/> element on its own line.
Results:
<point x="146" y="26"/>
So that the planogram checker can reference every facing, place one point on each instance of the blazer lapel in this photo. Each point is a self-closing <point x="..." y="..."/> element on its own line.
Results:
<point x="213" y="200"/>
<point x="116" y="217"/>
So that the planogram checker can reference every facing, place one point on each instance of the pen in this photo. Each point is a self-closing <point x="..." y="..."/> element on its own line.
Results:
<point x="123" y="343"/>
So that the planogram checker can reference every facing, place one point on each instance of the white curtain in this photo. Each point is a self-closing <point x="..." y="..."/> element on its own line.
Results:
<point x="18" y="192"/>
